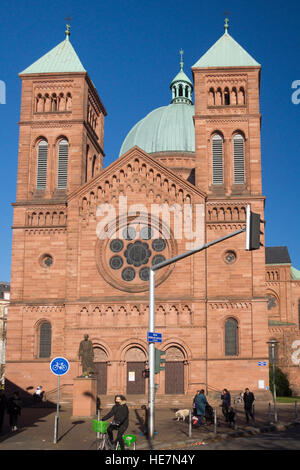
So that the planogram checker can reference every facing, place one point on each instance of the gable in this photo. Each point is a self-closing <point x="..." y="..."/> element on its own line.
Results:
<point x="137" y="174"/>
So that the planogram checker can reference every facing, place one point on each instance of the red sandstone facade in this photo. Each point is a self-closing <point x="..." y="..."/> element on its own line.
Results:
<point x="80" y="293"/>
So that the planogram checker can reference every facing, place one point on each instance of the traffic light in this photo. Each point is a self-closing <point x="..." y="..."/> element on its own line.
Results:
<point x="253" y="231"/>
<point x="159" y="361"/>
<point x="145" y="373"/>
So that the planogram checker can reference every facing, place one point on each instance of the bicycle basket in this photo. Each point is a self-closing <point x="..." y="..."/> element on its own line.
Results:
<point x="100" y="426"/>
<point x="129" y="439"/>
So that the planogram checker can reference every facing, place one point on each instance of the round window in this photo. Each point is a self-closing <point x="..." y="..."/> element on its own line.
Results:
<point x="46" y="261"/>
<point x="230" y="257"/>
<point x="116" y="262"/>
<point x="116" y="245"/>
<point x="125" y="261"/>
<point x="128" y="274"/>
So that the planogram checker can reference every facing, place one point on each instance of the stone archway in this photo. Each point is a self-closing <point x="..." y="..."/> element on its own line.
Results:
<point x="174" y="371"/>
<point x="100" y="361"/>
<point x="135" y="360"/>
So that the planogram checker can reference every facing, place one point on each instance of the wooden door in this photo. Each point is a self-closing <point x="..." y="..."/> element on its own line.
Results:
<point x="135" y="379"/>
<point x="174" y="378"/>
<point x="101" y="369"/>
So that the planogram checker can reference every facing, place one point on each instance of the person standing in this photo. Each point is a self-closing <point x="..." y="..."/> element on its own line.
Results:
<point x="194" y="402"/>
<point x="120" y="423"/>
<point x="200" y="402"/>
<point x="248" y="404"/>
<point x="3" y="404"/>
<point x="14" y="405"/>
<point x="226" y="403"/>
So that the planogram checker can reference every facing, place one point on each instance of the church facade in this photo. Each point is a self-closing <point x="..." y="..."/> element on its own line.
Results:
<point x="84" y="236"/>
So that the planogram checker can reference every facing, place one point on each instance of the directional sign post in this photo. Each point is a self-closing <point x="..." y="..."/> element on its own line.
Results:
<point x="58" y="366"/>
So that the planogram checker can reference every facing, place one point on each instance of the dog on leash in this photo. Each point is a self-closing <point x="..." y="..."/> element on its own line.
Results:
<point x="182" y="414"/>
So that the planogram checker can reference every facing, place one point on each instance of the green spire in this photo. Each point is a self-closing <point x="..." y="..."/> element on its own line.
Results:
<point x="226" y="52"/>
<point x="181" y="86"/>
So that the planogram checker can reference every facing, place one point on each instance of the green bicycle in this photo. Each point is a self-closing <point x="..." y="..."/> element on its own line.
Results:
<point x="104" y="442"/>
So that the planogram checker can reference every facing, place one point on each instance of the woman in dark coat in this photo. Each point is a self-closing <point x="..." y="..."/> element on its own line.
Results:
<point x="14" y="405"/>
<point x="200" y="402"/>
<point x="120" y="423"/>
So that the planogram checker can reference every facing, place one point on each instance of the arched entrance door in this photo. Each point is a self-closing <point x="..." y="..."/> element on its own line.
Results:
<point x="100" y="361"/>
<point x="174" y="371"/>
<point x="135" y="359"/>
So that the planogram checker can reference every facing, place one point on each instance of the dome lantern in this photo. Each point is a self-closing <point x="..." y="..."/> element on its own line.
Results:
<point x="181" y="86"/>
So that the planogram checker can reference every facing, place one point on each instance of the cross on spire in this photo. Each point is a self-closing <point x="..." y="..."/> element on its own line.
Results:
<point x="68" y="19"/>
<point x="181" y="59"/>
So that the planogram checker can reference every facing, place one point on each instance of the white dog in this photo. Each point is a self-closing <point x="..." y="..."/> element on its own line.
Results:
<point x="182" y="414"/>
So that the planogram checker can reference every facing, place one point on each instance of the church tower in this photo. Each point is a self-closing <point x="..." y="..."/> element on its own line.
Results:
<point x="227" y="120"/>
<point x="228" y="168"/>
<point x="61" y="126"/>
<point x="60" y="149"/>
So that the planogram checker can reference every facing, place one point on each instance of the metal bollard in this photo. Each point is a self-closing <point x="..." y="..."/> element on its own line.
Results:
<point x="235" y="419"/>
<point x="296" y="411"/>
<point x="215" y="420"/>
<point x="269" y="414"/>
<point x="253" y="412"/>
<point x="190" y="423"/>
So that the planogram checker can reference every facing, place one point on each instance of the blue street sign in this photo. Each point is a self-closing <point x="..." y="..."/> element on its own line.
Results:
<point x="59" y="366"/>
<point x="262" y="363"/>
<point x="154" y="337"/>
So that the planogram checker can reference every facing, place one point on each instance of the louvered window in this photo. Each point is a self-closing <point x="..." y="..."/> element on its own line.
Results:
<point x="62" y="174"/>
<point x="239" y="159"/>
<point x="217" y="159"/>
<point x="41" y="178"/>
<point x="231" y="337"/>
<point x="45" y="340"/>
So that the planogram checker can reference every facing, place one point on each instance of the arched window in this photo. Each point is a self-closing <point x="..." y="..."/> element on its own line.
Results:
<point x="211" y="97"/>
<point x="45" y="340"/>
<point x="231" y="337"/>
<point x="217" y="159"/>
<point x="41" y="173"/>
<point x="226" y="97"/>
<point x="241" y="96"/>
<point x="54" y="102"/>
<point x="186" y="91"/>
<point x="68" y="102"/>
<point x="239" y="159"/>
<point x="180" y="90"/>
<point x="62" y="173"/>
<point x="94" y="166"/>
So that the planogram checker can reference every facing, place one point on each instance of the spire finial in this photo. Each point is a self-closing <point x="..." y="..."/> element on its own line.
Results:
<point x="67" y="32"/>
<point x="226" y="25"/>
<point x="181" y="59"/>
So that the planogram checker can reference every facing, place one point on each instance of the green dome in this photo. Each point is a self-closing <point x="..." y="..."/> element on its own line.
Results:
<point x="166" y="129"/>
<point x="169" y="128"/>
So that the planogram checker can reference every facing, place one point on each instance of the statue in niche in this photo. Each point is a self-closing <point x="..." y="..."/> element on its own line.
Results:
<point x="86" y="354"/>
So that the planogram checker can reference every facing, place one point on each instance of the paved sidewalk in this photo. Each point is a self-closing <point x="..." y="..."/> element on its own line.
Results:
<point x="36" y="431"/>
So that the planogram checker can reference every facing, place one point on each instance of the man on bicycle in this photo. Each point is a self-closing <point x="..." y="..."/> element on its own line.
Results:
<point x="120" y="423"/>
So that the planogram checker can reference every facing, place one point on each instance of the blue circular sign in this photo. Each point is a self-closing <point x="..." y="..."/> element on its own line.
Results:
<point x="59" y="366"/>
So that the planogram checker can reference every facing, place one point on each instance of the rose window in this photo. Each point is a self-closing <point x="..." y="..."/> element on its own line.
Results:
<point x="125" y="257"/>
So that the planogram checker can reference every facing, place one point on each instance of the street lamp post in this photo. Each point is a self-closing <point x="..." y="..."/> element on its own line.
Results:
<point x="273" y="343"/>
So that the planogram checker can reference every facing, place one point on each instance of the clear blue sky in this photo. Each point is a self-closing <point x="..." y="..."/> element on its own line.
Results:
<point x="130" y="50"/>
